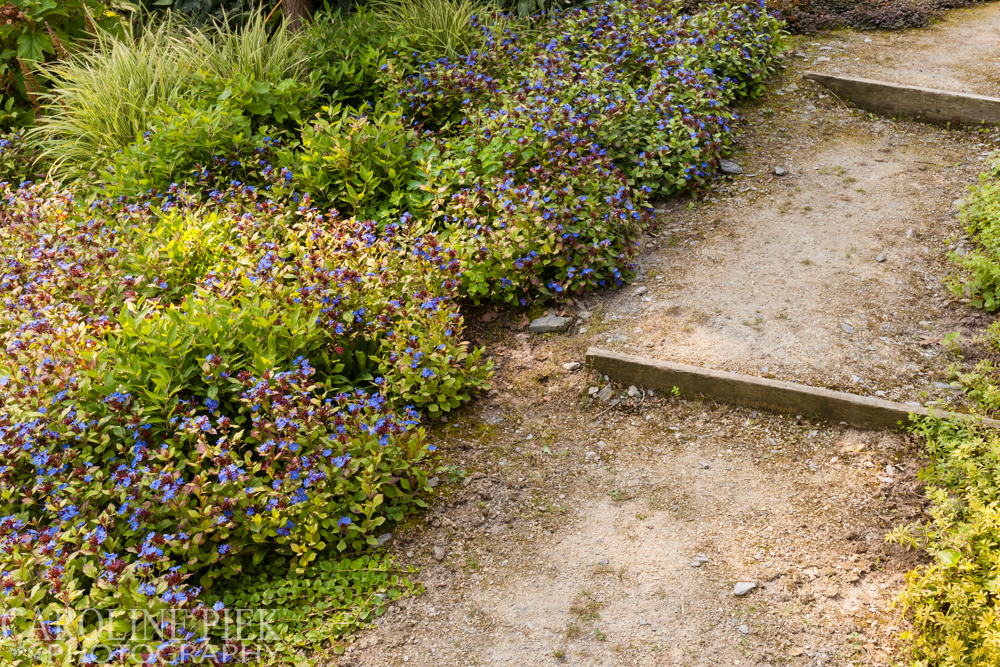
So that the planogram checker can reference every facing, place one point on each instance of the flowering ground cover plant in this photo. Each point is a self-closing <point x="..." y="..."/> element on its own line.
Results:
<point x="188" y="390"/>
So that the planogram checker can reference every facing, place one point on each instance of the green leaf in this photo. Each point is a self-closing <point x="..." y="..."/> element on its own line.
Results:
<point x="33" y="46"/>
<point x="949" y="557"/>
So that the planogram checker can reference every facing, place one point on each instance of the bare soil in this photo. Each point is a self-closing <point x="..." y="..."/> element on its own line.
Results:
<point x="573" y="538"/>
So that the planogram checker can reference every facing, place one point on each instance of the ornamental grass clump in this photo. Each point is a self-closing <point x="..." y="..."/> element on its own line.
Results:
<point x="103" y="98"/>
<point x="190" y="389"/>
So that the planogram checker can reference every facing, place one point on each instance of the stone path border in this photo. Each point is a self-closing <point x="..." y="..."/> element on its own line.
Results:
<point x="776" y="395"/>
<point x="924" y="104"/>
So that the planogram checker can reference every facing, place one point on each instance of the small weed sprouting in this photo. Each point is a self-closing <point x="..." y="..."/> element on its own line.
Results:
<point x="952" y="343"/>
<point x="586" y="607"/>
<point x="453" y="474"/>
<point x="471" y="563"/>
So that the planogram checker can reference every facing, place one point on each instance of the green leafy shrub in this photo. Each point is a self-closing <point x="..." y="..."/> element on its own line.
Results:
<point x="531" y="217"/>
<point x="952" y="601"/>
<point x="358" y="163"/>
<point x="181" y="145"/>
<point x="982" y="386"/>
<point x="349" y="57"/>
<point x="19" y="159"/>
<point x="546" y="169"/>
<point x="33" y="32"/>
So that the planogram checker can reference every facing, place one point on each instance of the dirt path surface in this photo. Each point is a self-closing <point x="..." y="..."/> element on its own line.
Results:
<point x="598" y="533"/>
<point x="960" y="53"/>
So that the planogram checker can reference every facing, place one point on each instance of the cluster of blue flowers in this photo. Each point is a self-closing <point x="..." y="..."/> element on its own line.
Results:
<point x="119" y="495"/>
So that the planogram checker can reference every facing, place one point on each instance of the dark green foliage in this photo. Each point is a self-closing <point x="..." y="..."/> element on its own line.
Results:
<point x="19" y="159"/>
<point x="349" y="57"/>
<point x="201" y="12"/>
<point x="39" y="31"/>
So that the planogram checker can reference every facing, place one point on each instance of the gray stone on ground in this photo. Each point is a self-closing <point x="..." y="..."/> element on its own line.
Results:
<point x="439" y="554"/>
<point x="730" y="167"/>
<point x="571" y="366"/>
<point x="880" y="259"/>
<point x="744" y="629"/>
<point x="846" y="327"/>
<point x="433" y="482"/>
<point x="743" y="587"/>
<point x="383" y="538"/>
<point x="549" y="324"/>
<point x="633" y="391"/>
<point x="699" y="560"/>
<point x="606" y="394"/>
<point x="641" y="290"/>
<point x="593" y="391"/>
<point x="778" y="171"/>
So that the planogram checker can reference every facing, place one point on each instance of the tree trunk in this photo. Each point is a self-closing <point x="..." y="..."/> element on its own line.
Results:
<point x="297" y="12"/>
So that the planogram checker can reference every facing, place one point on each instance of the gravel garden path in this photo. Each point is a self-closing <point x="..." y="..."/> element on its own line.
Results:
<point x="597" y="535"/>
<point x="832" y="273"/>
